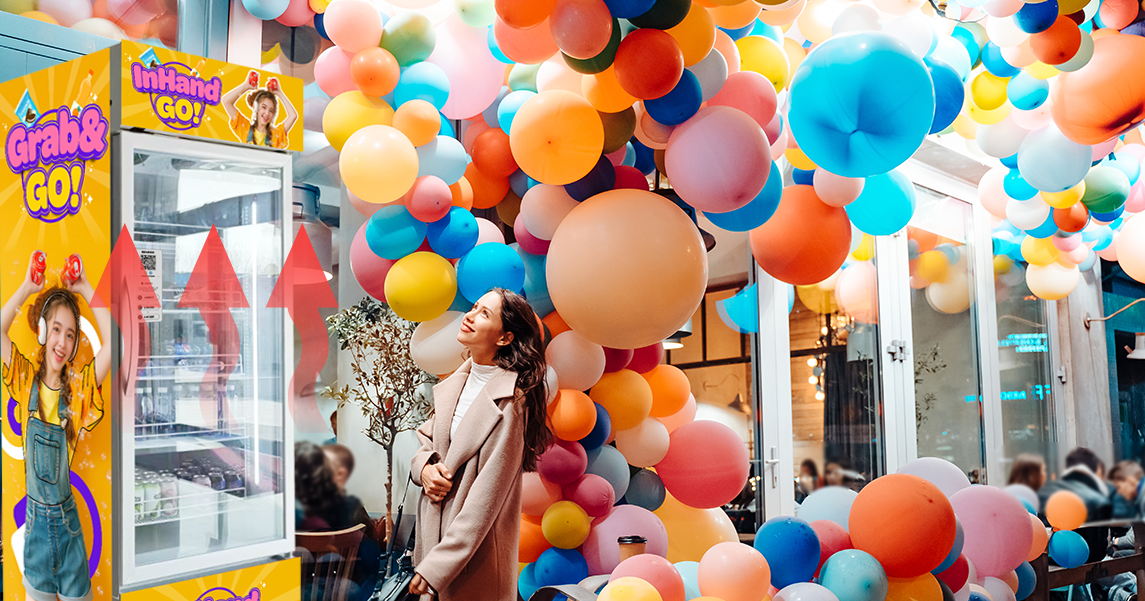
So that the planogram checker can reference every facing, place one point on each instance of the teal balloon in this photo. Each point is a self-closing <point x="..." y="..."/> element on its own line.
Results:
<point x="1026" y="92"/>
<point x="509" y="107"/>
<point x="536" y="286"/>
<point x="690" y="573"/>
<point x="887" y="110"/>
<point x="1068" y="549"/>
<point x="266" y="10"/>
<point x="756" y="212"/>
<point x="1128" y="165"/>
<point x="446" y="128"/>
<point x="422" y="81"/>
<point x="1027" y="580"/>
<point x="854" y="575"/>
<point x="885" y="206"/>
<point x="488" y="266"/>
<point x="645" y="489"/>
<point x="1106" y="189"/>
<point x="969" y="41"/>
<point x="442" y="157"/>
<point x="393" y="233"/>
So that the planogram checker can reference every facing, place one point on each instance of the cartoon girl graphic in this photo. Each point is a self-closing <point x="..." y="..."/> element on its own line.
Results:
<point x="57" y="400"/>
<point x="260" y="130"/>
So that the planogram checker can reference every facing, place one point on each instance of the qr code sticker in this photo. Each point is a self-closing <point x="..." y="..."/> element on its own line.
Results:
<point x="148" y="258"/>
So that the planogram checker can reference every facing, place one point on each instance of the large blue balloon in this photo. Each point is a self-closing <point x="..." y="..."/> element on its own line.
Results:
<point x="1036" y="17"/>
<point x="1068" y="549"/>
<point x="393" y="233"/>
<point x="488" y="266"/>
<point x="881" y="119"/>
<point x="600" y="432"/>
<point x="424" y="81"/>
<point x="560" y="566"/>
<point x="791" y="548"/>
<point x="678" y="105"/>
<point x="854" y="575"/>
<point x="756" y="212"/>
<point x="645" y="489"/>
<point x="1027" y="92"/>
<point x="885" y="206"/>
<point x="453" y="235"/>
<point x="949" y="93"/>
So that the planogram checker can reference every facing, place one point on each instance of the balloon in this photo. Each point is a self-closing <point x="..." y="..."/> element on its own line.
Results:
<point x="392" y="232"/>
<point x="749" y="92"/>
<point x="423" y="81"/>
<point x="795" y="258"/>
<point x="1057" y="44"/>
<point x="670" y="390"/>
<point x="957" y="575"/>
<point x="378" y="163"/>
<point x="565" y="525"/>
<point x="1027" y="580"/>
<point x="562" y="462"/>
<point x="462" y="55"/>
<point x="368" y="268"/>
<point x="684" y="416"/>
<point x="556" y="137"/>
<point x="766" y="57"/>
<point x="524" y="14"/>
<point x="434" y="346"/>
<point x="920" y="588"/>
<point x="646" y="358"/>
<point x="65" y="12"/>
<point x="489" y="266"/>
<point x="1068" y="549"/>
<point x="353" y="25"/>
<point x="1027" y="93"/>
<point x="890" y="511"/>
<point x="351" y="111"/>
<point x="410" y="37"/>
<point x="949" y="478"/>
<point x="1051" y="162"/>
<point x="854" y="575"/>
<point x="572" y="415"/>
<point x="706" y="465"/>
<point x="664" y="14"/>
<point x="1001" y="139"/>
<point x="609" y="464"/>
<point x="1106" y="189"/>
<point x="791" y="548"/>
<point x="332" y="72"/>
<point x="626" y="396"/>
<point x="836" y="190"/>
<point x="1082" y="106"/>
<point x="645" y="445"/>
<point x="375" y="71"/>
<point x="885" y="205"/>
<point x="601" y="550"/>
<point x="267" y="10"/>
<point x="592" y="493"/>
<point x="691" y="531"/>
<point x="528" y="46"/>
<point x="856" y="292"/>
<point x="537" y="494"/>
<point x="629" y="589"/>
<point x="626" y="9"/>
<point x="757" y="211"/>
<point x="601" y="178"/>
<point x="649" y="63"/>
<point x="997" y="529"/>
<point x="581" y="28"/>
<point x="454" y="235"/>
<point x="421" y="286"/>
<point x="1053" y="281"/>
<point x="656" y="571"/>
<point x="696" y="35"/>
<point x="733" y="571"/>
<point x="532" y="544"/>
<point x="1065" y="510"/>
<point x="803" y="591"/>
<point x="710" y="160"/>
<point x="832" y="539"/>
<point x="645" y="489"/>
<point x="560" y="566"/>
<point x="832" y="503"/>
<point x="649" y="296"/>
<point x="887" y="85"/>
<point x="429" y="200"/>
<point x="949" y="93"/>
<point x="578" y="363"/>
<point x="679" y="104"/>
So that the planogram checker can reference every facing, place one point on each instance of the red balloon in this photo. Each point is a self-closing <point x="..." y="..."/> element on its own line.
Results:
<point x="832" y="539"/>
<point x="1106" y="97"/>
<point x="648" y="63"/>
<point x="581" y="28"/>
<point x="783" y="249"/>
<point x="616" y="359"/>
<point x="1073" y="219"/>
<point x="630" y="177"/>
<point x="956" y="575"/>
<point x="1057" y="44"/>
<point x="491" y="153"/>
<point x="887" y="517"/>
<point x="751" y="93"/>
<point x="646" y="358"/>
<point x="706" y="465"/>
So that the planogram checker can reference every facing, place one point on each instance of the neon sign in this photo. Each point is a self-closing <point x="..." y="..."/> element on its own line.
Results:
<point x="178" y="96"/>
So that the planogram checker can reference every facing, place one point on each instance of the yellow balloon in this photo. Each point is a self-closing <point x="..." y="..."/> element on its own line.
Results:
<point x="1064" y="200"/>
<point x="1040" y="70"/>
<point x="565" y="525"/>
<point x="557" y="137"/>
<point x="988" y="90"/>
<point x="1003" y="264"/>
<point x="933" y="266"/>
<point x="629" y="588"/>
<point x="866" y="249"/>
<point x="766" y="57"/>
<point x="46" y="18"/>
<point x="378" y="164"/>
<point x="965" y="126"/>
<point x="691" y="531"/>
<point x="1039" y="251"/>
<point x="350" y="111"/>
<point x="798" y="159"/>
<point x="1053" y="281"/>
<point x="818" y="300"/>
<point x="987" y="117"/>
<point x="1068" y="7"/>
<point x="921" y="588"/>
<point x="421" y="286"/>
<point x="795" y="53"/>
<point x="696" y="34"/>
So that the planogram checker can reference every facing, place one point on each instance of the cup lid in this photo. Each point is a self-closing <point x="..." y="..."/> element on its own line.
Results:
<point x="632" y="539"/>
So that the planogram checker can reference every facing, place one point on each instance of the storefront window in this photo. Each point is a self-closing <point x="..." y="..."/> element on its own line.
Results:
<point x="153" y="22"/>
<point x="947" y="387"/>
<point x="292" y="50"/>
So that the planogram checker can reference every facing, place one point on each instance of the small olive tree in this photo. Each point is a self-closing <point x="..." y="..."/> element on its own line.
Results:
<point x="387" y="382"/>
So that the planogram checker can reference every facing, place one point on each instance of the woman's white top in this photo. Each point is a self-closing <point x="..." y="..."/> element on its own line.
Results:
<point x="479" y="375"/>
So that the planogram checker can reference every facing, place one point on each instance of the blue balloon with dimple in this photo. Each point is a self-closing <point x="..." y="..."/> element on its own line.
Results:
<point x="453" y="235"/>
<point x="949" y="93"/>
<point x="1036" y="17"/>
<point x="1026" y="92"/>
<point x="422" y="81"/>
<point x="791" y="548"/>
<point x="885" y="205"/>
<point x="600" y="431"/>
<point x="881" y="120"/>
<point x="679" y="104"/>
<point x="509" y="106"/>
<point x="1068" y="549"/>
<point x="393" y="233"/>
<point x="488" y="266"/>
<point x="854" y="575"/>
<point x="756" y="212"/>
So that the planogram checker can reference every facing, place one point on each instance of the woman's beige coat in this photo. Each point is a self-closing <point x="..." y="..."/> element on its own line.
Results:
<point x="466" y="546"/>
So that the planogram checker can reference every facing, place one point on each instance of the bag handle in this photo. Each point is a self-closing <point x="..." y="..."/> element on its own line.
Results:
<point x="394" y="534"/>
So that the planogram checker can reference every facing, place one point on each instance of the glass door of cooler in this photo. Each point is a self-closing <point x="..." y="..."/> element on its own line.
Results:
<point x="206" y="451"/>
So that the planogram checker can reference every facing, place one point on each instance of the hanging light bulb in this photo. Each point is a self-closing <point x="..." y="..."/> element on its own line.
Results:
<point x="812" y="380"/>
<point x="812" y="362"/>
<point x="819" y="396"/>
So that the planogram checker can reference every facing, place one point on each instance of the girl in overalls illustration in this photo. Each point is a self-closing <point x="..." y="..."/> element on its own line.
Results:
<point x="260" y="130"/>
<point x="57" y="401"/>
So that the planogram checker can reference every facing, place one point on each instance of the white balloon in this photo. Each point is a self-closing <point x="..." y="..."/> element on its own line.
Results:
<point x="66" y="12"/>
<point x="645" y="445"/>
<point x="1027" y="214"/>
<point x="712" y="73"/>
<point x="1005" y="32"/>
<point x="857" y="17"/>
<point x="1024" y="493"/>
<point x="434" y="346"/>
<point x="916" y="31"/>
<point x="1001" y="139"/>
<point x="950" y="297"/>
<point x="578" y="362"/>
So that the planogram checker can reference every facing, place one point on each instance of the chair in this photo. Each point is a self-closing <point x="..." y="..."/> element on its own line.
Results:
<point x="329" y="580"/>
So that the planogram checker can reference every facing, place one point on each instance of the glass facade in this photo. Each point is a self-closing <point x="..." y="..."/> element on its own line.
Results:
<point x="153" y="22"/>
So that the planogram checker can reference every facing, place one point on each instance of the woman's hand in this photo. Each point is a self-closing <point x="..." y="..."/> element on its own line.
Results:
<point x="82" y="286"/>
<point x="419" y="586"/>
<point x="437" y="481"/>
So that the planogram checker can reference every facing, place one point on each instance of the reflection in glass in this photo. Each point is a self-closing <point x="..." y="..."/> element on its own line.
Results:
<point x="154" y="23"/>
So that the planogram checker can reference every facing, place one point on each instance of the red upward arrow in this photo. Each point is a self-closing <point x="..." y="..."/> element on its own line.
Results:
<point x="125" y="290"/>
<point x="214" y="290"/>
<point x="302" y="289"/>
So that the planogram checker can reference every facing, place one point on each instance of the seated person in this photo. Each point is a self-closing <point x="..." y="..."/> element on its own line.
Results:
<point x="341" y="461"/>
<point x="1084" y="476"/>
<point x="1126" y="477"/>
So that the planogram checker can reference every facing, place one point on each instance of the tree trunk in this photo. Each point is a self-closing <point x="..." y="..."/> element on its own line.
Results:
<point x="389" y="488"/>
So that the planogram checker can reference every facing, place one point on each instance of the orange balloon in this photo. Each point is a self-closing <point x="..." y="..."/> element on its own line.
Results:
<point x="784" y="250"/>
<point x="670" y="390"/>
<point x="1011" y="580"/>
<point x="736" y="15"/>
<point x="532" y="542"/>
<point x="1065" y="510"/>
<point x="1041" y="538"/>
<point x="556" y="324"/>
<point x="375" y="71"/>
<point x="557" y="137"/>
<point x="572" y="415"/>
<point x="696" y="34"/>
<point x="887" y="517"/>
<point x="920" y="588"/>
<point x="462" y="193"/>
<point x="1071" y="219"/>
<point x="523" y="14"/>
<point x="1106" y="97"/>
<point x="1057" y="44"/>
<point x="417" y="119"/>
<point x="625" y="395"/>
<point x="491" y="153"/>
<point x="526" y="46"/>
<point x="926" y="240"/>
<point x="488" y="190"/>
<point x="604" y="93"/>
<point x="727" y="47"/>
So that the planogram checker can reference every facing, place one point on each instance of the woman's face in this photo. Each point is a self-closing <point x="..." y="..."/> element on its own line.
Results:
<point x="833" y="474"/>
<point x="481" y="326"/>
<point x="62" y="334"/>
<point x="265" y="111"/>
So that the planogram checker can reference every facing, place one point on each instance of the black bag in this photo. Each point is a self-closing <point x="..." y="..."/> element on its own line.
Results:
<point x="395" y="581"/>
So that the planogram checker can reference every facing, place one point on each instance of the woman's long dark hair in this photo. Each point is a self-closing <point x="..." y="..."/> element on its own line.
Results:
<point x="525" y="356"/>
<point x="314" y="483"/>
<point x="1027" y="469"/>
<point x="56" y="303"/>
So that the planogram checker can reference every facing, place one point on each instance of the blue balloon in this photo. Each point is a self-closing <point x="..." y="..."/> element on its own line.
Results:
<point x="488" y="266"/>
<point x="768" y="31"/>
<point x="1068" y="549"/>
<point x="1109" y="217"/>
<point x="490" y="112"/>
<point x="803" y="177"/>
<point x="519" y="183"/>
<point x="830" y="502"/>
<point x="560" y="566"/>
<point x="422" y="81"/>
<point x="446" y="128"/>
<point x="645" y="157"/>
<point x="690" y="573"/>
<point x="606" y="462"/>
<point x="678" y="105"/>
<point x="1087" y="263"/>
<point x="460" y="303"/>
<point x="1100" y="235"/>
<point x="949" y="93"/>
<point x="601" y="178"/>
<point x="266" y="10"/>
<point x="393" y="233"/>
<point x="1128" y="165"/>
<point x="1003" y="245"/>
<point x="966" y="37"/>
<point x="953" y="53"/>
<point x="955" y="549"/>
<point x="994" y="63"/>
<point x="645" y="489"/>
<point x="1017" y="187"/>
<point x="536" y="286"/>
<point x="756" y="212"/>
<point x="1037" y="17"/>
<point x="1027" y="580"/>
<point x="527" y="581"/>
<point x="1051" y="162"/>
<point x="626" y="9"/>
<point x="741" y="33"/>
<point x="791" y="548"/>
<point x="881" y="120"/>
<point x="1027" y="93"/>
<point x="495" y="48"/>
<point x="1048" y="228"/>
<point x="442" y="157"/>
<point x="320" y="25"/>
<point x="854" y="575"/>
<point x="453" y="235"/>
<point x="509" y="107"/>
<point x="885" y="206"/>
<point x="600" y="431"/>
<point x="1010" y="162"/>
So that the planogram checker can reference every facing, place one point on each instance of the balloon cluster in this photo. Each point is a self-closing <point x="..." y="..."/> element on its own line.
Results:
<point x="154" y="22"/>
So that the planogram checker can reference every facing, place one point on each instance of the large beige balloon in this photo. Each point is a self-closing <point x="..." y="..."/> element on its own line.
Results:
<point x="691" y="532"/>
<point x="1131" y="248"/>
<point x="1054" y="281"/>
<point x="626" y="268"/>
<point x="952" y="296"/>
<point x="434" y="346"/>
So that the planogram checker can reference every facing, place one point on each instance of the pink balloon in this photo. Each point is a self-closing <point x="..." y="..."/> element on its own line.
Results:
<point x="1136" y="151"/>
<point x="751" y="93"/>
<point x="601" y="550"/>
<point x="581" y="28"/>
<point x="353" y="25"/>
<point x="617" y="157"/>
<point x="630" y="177"/>
<point x="654" y="570"/>
<point x="1136" y="201"/>
<point x="529" y="243"/>
<point x="773" y="129"/>
<point x="131" y="12"/>
<point x="856" y="292"/>
<point x="363" y="207"/>
<point x="1003" y="8"/>
<point x="578" y="362"/>
<point x="1066" y="244"/>
<point x="1110" y="252"/>
<point x="1077" y="255"/>
<point x="832" y="539"/>
<point x="1117" y="14"/>
<point x="475" y="77"/>
<point x="836" y="190"/>
<point x="487" y="231"/>
<point x="66" y="12"/>
<point x="992" y="193"/>
<point x="369" y="269"/>
<point x="562" y="462"/>
<point x="332" y="71"/>
<point x="733" y="571"/>
<point x="593" y="493"/>
<point x="430" y="199"/>
<point x="297" y="14"/>
<point x="706" y="465"/>
<point x="996" y="527"/>
<point x="616" y="359"/>
<point x="684" y="416"/>
<point x="1100" y="151"/>
<point x="1032" y="120"/>
<point x="537" y="494"/>
<point x="646" y="358"/>
<point x="543" y="207"/>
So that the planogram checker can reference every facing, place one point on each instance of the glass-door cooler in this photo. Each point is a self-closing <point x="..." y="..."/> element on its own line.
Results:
<point x="206" y="453"/>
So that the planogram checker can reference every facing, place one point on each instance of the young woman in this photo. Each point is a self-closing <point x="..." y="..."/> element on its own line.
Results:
<point x="56" y="400"/>
<point x="260" y="130"/>
<point x="488" y="427"/>
<point x="1028" y="469"/>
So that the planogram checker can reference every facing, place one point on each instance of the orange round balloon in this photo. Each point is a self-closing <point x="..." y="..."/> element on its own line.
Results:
<point x="625" y="395"/>
<point x="1057" y="44"/>
<point x="696" y="35"/>
<point x="491" y="153"/>
<point x="532" y="541"/>
<point x="783" y="249"/>
<point x="557" y="137"/>
<point x="488" y="190"/>
<point x="1041" y="538"/>
<point x="418" y="120"/>
<point x="525" y="46"/>
<point x="889" y="515"/>
<point x="920" y="588"/>
<point x="1065" y="510"/>
<point x="1106" y="97"/>
<point x="670" y="389"/>
<point x="555" y="323"/>
<point x="523" y="14"/>
<point x="572" y="415"/>
<point x="603" y="91"/>
<point x="462" y="193"/>
<point x="375" y="71"/>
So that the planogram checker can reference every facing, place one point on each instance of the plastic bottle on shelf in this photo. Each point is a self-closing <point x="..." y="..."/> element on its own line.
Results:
<point x="139" y="494"/>
<point x="169" y="495"/>
<point x="151" y="497"/>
